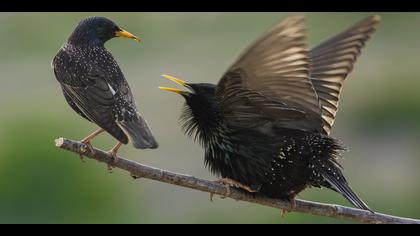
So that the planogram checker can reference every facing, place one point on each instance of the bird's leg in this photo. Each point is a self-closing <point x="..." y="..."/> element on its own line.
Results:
<point x="113" y="153"/>
<point x="292" y="200"/>
<point x="233" y="183"/>
<point x="88" y="139"/>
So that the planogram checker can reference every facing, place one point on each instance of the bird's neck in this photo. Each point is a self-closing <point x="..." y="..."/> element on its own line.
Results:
<point x="202" y="119"/>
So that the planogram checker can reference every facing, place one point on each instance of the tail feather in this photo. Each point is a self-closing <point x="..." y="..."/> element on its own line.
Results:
<point x="333" y="176"/>
<point x="140" y="134"/>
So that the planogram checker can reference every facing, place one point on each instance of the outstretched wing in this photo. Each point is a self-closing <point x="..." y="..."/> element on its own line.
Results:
<point x="333" y="60"/>
<point x="270" y="82"/>
<point x="90" y="92"/>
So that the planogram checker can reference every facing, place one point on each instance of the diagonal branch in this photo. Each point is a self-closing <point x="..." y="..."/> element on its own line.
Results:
<point x="314" y="208"/>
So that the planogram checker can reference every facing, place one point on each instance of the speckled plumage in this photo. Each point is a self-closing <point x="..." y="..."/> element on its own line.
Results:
<point x="94" y="86"/>
<point x="278" y="163"/>
<point x="266" y="123"/>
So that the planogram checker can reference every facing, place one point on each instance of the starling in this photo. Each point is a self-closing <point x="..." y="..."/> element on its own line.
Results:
<point x="265" y="126"/>
<point x="94" y="86"/>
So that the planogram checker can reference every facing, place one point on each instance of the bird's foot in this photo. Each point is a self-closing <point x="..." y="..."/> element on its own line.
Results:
<point x="211" y="197"/>
<point x="88" y="148"/>
<point x="283" y="212"/>
<point x="109" y="168"/>
<point x="87" y="142"/>
<point x="227" y="193"/>
<point x="113" y="153"/>
<point x="232" y="183"/>
<point x="292" y="200"/>
<point x="113" y="161"/>
<point x="82" y="158"/>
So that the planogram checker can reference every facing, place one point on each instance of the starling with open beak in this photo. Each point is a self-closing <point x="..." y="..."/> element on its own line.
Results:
<point x="265" y="126"/>
<point x="94" y="86"/>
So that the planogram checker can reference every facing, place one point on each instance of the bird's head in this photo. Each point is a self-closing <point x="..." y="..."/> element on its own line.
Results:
<point x="196" y="91"/>
<point x="98" y="30"/>
<point x="201" y="115"/>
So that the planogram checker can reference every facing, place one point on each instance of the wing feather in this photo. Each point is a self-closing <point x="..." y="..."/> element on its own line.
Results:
<point x="270" y="82"/>
<point x="333" y="60"/>
<point x="90" y="94"/>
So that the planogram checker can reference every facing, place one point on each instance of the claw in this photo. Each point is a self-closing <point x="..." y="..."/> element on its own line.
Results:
<point x="82" y="158"/>
<point x="232" y="183"/>
<point x="114" y="160"/>
<point x="109" y="168"/>
<point x="88" y="148"/>
<point x="134" y="176"/>
<point x="113" y="154"/>
<point x="283" y="212"/>
<point x="227" y="184"/>
<point x="292" y="199"/>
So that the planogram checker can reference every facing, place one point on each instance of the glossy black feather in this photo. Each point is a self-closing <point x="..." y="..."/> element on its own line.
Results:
<point x="94" y="85"/>
<point x="264" y="128"/>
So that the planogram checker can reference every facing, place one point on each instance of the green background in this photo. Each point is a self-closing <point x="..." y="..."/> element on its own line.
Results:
<point x="378" y="119"/>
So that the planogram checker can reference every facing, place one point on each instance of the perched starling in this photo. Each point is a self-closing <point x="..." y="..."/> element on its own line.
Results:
<point x="265" y="126"/>
<point x="94" y="86"/>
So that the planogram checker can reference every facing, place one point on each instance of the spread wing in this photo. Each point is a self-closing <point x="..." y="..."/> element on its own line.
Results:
<point x="270" y="82"/>
<point x="90" y="92"/>
<point x="333" y="60"/>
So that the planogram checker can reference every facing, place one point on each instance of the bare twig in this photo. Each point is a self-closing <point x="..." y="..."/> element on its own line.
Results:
<point x="314" y="208"/>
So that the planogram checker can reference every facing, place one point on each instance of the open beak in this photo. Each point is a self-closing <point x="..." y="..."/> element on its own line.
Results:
<point x="178" y="81"/>
<point x="126" y="34"/>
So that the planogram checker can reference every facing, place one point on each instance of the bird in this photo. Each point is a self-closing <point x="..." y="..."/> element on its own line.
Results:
<point x="265" y="126"/>
<point x="95" y="87"/>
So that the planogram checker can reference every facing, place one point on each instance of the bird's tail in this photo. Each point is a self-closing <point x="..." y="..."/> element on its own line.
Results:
<point x="335" y="180"/>
<point x="140" y="134"/>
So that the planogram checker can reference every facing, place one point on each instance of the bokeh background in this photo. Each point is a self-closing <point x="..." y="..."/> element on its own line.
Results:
<point x="378" y="119"/>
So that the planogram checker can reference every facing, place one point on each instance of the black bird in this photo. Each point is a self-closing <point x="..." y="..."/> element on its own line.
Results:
<point x="94" y="86"/>
<point x="265" y="126"/>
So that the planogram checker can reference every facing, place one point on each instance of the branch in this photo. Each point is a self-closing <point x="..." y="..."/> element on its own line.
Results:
<point x="314" y="208"/>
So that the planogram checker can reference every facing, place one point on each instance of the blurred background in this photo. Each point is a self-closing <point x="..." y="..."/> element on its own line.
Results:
<point x="378" y="119"/>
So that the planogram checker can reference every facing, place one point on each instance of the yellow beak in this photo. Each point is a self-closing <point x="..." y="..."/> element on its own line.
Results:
<point x="174" y="90"/>
<point x="178" y="81"/>
<point x="126" y="34"/>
